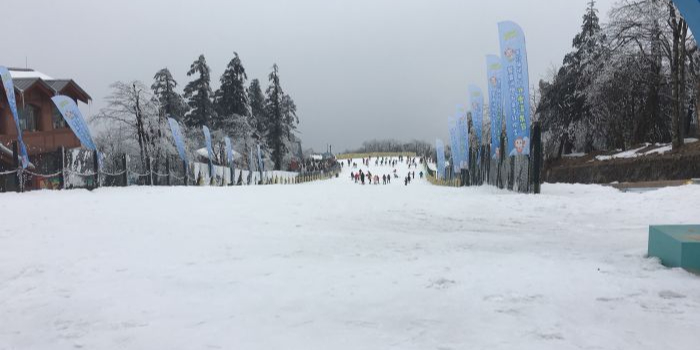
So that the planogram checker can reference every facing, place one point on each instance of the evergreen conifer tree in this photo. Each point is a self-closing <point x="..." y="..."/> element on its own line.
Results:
<point x="256" y="99"/>
<point x="281" y="120"/>
<point x="231" y="99"/>
<point x="564" y="107"/>
<point x="170" y="103"/>
<point x="198" y="94"/>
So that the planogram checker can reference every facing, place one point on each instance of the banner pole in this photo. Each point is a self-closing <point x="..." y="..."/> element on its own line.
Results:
<point x="96" y="168"/>
<point x="167" y="170"/>
<point x="125" y="166"/>
<point x="15" y="158"/>
<point x="62" y="177"/>
<point x="184" y="167"/>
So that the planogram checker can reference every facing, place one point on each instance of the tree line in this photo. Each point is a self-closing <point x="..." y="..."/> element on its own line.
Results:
<point x="421" y="148"/>
<point x="633" y="80"/>
<point x="136" y="115"/>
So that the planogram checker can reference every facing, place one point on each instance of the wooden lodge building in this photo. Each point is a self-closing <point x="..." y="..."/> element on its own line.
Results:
<point x="44" y="130"/>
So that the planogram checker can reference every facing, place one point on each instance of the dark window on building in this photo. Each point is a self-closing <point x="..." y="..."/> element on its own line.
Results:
<point x="29" y="118"/>
<point x="57" y="119"/>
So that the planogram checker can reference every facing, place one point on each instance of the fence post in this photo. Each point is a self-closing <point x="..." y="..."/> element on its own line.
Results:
<point x="149" y="168"/>
<point x="125" y="167"/>
<point x="95" y="158"/>
<point x="511" y="173"/>
<point x="167" y="170"/>
<point x="61" y="153"/>
<point x="487" y="164"/>
<point x="184" y="167"/>
<point x="501" y="160"/>
<point x="537" y="163"/>
<point x="15" y="160"/>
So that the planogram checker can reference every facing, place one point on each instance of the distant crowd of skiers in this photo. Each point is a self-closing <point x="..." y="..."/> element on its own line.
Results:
<point x="361" y="177"/>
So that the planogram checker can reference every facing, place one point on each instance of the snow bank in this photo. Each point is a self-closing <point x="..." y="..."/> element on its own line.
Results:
<point x="626" y="154"/>
<point x="660" y="148"/>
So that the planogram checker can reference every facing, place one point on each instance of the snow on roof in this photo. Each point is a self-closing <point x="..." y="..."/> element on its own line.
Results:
<point x="28" y="73"/>
<point x="25" y="78"/>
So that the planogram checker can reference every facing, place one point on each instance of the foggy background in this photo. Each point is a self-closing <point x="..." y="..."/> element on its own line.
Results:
<point x="357" y="70"/>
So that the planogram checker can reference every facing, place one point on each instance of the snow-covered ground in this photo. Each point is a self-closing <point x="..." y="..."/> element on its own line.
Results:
<point x="336" y="265"/>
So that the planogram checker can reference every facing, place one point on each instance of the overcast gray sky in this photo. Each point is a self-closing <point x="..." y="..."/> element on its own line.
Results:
<point x="357" y="69"/>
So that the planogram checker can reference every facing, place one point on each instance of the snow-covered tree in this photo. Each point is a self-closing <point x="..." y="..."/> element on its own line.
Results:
<point x="132" y="106"/>
<point x="231" y="99"/>
<point x="679" y="55"/>
<point x="256" y="99"/>
<point x="170" y="102"/>
<point x="563" y="107"/>
<point x="630" y="81"/>
<point x="199" y="95"/>
<point x="281" y="120"/>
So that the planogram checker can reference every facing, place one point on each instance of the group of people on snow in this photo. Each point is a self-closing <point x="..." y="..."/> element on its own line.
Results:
<point x="366" y="177"/>
<point x="361" y="177"/>
<point x="411" y="176"/>
<point x="413" y="162"/>
<point x="317" y="165"/>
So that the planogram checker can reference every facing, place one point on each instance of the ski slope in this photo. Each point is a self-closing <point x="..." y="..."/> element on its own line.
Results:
<point x="337" y="265"/>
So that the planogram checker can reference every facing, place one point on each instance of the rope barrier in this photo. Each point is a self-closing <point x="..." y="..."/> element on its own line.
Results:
<point x="67" y="171"/>
<point x="43" y="175"/>
<point x="80" y="174"/>
<point x="113" y="174"/>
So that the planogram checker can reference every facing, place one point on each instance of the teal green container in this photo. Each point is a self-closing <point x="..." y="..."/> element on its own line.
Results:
<point x="676" y="246"/>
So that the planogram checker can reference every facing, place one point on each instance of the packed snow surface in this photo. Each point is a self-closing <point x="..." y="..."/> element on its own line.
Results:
<point x="338" y="265"/>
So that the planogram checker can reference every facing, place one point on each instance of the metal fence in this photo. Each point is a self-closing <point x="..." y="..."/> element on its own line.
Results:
<point x="80" y="168"/>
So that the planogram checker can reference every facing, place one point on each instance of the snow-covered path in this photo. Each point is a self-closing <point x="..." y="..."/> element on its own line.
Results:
<point x="335" y="265"/>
